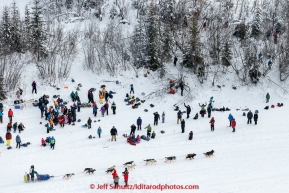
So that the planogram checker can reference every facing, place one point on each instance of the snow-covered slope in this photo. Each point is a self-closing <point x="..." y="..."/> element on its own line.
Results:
<point x="254" y="159"/>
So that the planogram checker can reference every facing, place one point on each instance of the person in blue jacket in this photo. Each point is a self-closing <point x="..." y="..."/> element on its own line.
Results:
<point x="211" y="100"/>
<point x="139" y="122"/>
<point x="95" y="110"/>
<point x="230" y="119"/>
<point x="18" y="141"/>
<point x="1" y="117"/>
<point x="133" y="138"/>
<point x="99" y="131"/>
<point x="131" y="89"/>
<point x="52" y="142"/>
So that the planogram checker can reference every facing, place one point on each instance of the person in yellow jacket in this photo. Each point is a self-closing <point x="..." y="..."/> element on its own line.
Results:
<point x="103" y="90"/>
<point x="100" y="97"/>
<point x="56" y="105"/>
<point x="51" y="122"/>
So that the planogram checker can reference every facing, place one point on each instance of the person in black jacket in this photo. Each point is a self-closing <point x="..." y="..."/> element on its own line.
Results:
<point x="156" y="118"/>
<point x="132" y="130"/>
<point x="183" y="125"/>
<point x="249" y="116"/>
<point x="256" y="118"/>
<point x="188" y="110"/>
<point x="209" y="109"/>
<point x="181" y="85"/>
<point x="113" y="133"/>
<point x="90" y="97"/>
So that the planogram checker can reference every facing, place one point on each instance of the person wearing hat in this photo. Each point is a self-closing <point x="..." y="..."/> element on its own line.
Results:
<point x="34" y="87"/>
<point x="18" y="141"/>
<point x="139" y="122"/>
<point x="256" y="117"/>
<point x="249" y="116"/>
<point x="8" y="137"/>
<point x="233" y="125"/>
<point x="10" y="115"/>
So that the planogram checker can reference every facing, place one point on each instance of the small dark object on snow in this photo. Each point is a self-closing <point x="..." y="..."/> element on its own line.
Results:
<point x="219" y="86"/>
<point x="109" y="170"/>
<point x="151" y="161"/>
<point x="146" y="110"/>
<point x="78" y="120"/>
<point x="234" y="87"/>
<point x="191" y="156"/>
<point x="128" y="163"/>
<point x="151" y="105"/>
<point x="209" y="153"/>
<point x="90" y="171"/>
<point x="170" y="159"/>
<point x="57" y="88"/>
<point x="68" y="176"/>
<point x="162" y="131"/>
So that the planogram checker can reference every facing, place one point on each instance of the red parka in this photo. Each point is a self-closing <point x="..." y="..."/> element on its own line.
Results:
<point x="114" y="174"/>
<point x="10" y="113"/>
<point x="62" y="120"/>
<point x="233" y="123"/>
<point x="8" y="136"/>
<point x="212" y="121"/>
<point x="43" y="142"/>
<point x="126" y="176"/>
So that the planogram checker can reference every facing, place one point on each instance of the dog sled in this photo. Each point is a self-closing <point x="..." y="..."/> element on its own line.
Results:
<point x="39" y="177"/>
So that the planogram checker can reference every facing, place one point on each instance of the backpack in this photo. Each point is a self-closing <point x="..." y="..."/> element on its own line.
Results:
<point x="52" y="141"/>
<point x="89" y="137"/>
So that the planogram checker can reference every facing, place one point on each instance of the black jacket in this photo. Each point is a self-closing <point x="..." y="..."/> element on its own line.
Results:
<point x="250" y="115"/>
<point x="255" y="116"/>
<point x="90" y="95"/>
<point x="156" y="116"/>
<point x="183" y="123"/>
<point x="133" y="127"/>
<point x="188" y="108"/>
<point x="209" y="109"/>
<point x="113" y="131"/>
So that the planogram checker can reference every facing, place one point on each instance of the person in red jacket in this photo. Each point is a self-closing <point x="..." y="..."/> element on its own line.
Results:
<point x="212" y="121"/>
<point x="43" y="143"/>
<point x="114" y="174"/>
<point x="8" y="138"/>
<point x="10" y="114"/>
<point x="125" y="175"/>
<point x="62" y="120"/>
<point x="233" y="125"/>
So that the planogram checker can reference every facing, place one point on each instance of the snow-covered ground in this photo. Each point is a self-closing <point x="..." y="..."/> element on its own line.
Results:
<point x="254" y="159"/>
